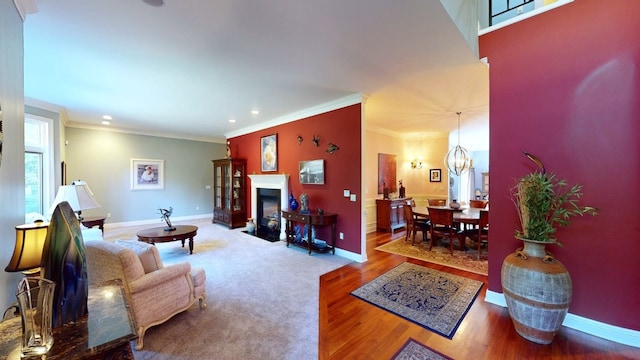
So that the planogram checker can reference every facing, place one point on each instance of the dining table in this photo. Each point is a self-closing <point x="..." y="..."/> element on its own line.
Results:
<point x="464" y="215"/>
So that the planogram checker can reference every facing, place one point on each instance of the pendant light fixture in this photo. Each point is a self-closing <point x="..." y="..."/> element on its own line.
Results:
<point x="458" y="159"/>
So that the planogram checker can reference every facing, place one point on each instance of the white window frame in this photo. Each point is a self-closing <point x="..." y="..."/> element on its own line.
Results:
<point x="46" y="149"/>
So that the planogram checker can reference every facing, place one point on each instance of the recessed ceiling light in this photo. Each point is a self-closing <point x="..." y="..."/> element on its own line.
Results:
<point x="156" y="3"/>
<point x="105" y="122"/>
<point x="255" y="112"/>
<point x="232" y="120"/>
<point x="107" y="117"/>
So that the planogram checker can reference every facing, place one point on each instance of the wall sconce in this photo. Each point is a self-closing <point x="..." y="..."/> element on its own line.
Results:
<point x="416" y="164"/>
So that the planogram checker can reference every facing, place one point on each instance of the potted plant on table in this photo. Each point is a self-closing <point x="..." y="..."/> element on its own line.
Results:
<point x="536" y="286"/>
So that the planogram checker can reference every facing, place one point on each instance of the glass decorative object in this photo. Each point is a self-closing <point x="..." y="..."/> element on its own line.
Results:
<point x="64" y="263"/>
<point x="35" y="299"/>
<point x="293" y="203"/>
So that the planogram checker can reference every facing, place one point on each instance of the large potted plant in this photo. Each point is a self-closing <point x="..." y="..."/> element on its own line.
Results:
<point x="536" y="286"/>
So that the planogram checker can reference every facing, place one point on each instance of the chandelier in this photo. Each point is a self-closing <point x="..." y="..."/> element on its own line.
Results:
<point x="458" y="159"/>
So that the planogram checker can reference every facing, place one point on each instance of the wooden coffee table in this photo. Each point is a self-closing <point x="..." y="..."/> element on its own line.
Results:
<point x="159" y="234"/>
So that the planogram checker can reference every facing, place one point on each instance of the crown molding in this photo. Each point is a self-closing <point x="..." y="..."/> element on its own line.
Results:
<point x="25" y="7"/>
<point x="315" y="110"/>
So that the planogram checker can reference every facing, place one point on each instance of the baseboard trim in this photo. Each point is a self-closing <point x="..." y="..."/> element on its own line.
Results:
<point x="156" y="221"/>
<point x="592" y="327"/>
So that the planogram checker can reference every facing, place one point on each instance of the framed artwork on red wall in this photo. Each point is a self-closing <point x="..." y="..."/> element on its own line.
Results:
<point x="386" y="173"/>
<point x="269" y="153"/>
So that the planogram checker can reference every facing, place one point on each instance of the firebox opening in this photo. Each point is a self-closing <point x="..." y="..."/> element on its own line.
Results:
<point x="268" y="214"/>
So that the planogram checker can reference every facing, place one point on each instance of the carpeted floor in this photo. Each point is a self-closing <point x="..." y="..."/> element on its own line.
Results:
<point x="463" y="260"/>
<point x="413" y="350"/>
<point x="262" y="298"/>
<point x="433" y="299"/>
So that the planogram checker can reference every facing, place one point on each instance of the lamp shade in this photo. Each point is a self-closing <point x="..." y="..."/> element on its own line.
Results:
<point x="78" y="195"/>
<point x="28" y="249"/>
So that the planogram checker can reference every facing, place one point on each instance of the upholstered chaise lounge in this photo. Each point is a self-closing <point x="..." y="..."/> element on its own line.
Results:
<point x="156" y="292"/>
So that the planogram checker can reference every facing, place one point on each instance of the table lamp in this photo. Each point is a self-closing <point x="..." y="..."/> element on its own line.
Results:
<point x="78" y="195"/>
<point x="27" y="253"/>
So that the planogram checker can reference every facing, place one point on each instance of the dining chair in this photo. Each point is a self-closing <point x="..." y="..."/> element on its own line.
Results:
<point x="437" y="202"/>
<point x="481" y="234"/>
<point x="442" y="226"/>
<point x="414" y="225"/>
<point x="478" y="204"/>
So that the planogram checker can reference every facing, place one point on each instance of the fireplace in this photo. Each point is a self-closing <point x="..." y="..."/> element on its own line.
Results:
<point x="275" y="201"/>
<point x="268" y="213"/>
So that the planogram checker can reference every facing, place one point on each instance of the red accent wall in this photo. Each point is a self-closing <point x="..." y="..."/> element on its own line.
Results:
<point x="342" y="169"/>
<point x="565" y="86"/>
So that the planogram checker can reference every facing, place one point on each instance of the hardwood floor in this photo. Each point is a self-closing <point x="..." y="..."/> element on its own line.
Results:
<point x="354" y="329"/>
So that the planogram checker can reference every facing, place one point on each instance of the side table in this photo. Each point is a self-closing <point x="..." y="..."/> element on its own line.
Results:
<point x="91" y="221"/>
<point x="106" y="333"/>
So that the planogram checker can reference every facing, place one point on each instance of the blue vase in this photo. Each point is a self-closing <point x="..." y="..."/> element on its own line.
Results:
<point x="293" y="203"/>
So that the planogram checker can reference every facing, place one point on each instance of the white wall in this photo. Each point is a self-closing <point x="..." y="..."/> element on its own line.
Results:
<point x="12" y="166"/>
<point x="103" y="158"/>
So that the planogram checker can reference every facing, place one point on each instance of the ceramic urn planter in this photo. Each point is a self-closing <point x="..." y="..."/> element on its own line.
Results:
<point x="537" y="288"/>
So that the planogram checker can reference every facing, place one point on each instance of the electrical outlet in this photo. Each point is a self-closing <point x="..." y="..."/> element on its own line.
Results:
<point x="341" y="236"/>
<point x="520" y="10"/>
<point x="108" y="215"/>
<point x="353" y="197"/>
<point x="346" y="193"/>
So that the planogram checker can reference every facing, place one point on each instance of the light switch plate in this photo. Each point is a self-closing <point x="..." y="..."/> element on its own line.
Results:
<point x="353" y="197"/>
<point x="347" y="193"/>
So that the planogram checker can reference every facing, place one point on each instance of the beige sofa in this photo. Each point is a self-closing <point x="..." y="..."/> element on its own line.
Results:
<point x="156" y="292"/>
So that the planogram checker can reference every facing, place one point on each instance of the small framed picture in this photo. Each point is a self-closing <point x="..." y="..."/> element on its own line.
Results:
<point x="147" y="174"/>
<point x="435" y="175"/>
<point x="269" y="153"/>
<point x="312" y="172"/>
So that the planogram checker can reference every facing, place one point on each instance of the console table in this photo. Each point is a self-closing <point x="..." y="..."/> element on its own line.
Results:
<point x="310" y="219"/>
<point x="105" y="333"/>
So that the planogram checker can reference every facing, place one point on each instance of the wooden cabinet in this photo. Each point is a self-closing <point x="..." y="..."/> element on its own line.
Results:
<point x="229" y="192"/>
<point x="390" y="214"/>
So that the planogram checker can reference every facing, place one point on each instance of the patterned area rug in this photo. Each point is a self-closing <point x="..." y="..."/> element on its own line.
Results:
<point x="463" y="260"/>
<point x="412" y="350"/>
<point x="430" y="298"/>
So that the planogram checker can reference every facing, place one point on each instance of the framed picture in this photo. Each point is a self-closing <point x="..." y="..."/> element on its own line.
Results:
<point x="269" y="153"/>
<point x="147" y="174"/>
<point x="435" y="175"/>
<point x="386" y="173"/>
<point x="312" y="172"/>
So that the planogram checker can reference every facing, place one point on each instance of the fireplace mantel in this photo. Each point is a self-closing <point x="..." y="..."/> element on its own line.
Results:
<point x="270" y="181"/>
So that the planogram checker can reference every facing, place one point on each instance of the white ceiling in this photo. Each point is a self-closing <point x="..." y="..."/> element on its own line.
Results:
<point x="184" y="69"/>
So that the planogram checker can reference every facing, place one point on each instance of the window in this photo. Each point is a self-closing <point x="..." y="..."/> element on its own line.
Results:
<point x="38" y="163"/>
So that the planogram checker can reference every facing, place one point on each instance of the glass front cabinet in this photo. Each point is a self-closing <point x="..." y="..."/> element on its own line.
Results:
<point x="229" y="192"/>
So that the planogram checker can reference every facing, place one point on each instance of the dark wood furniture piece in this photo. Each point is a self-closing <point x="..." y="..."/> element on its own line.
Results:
<point x="481" y="233"/>
<point x="159" y="234"/>
<point x="91" y="221"/>
<point x="415" y="224"/>
<point x="443" y="226"/>
<point x="390" y="214"/>
<point x="105" y="333"/>
<point x="437" y="202"/>
<point x="229" y="192"/>
<point x="310" y="219"/>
